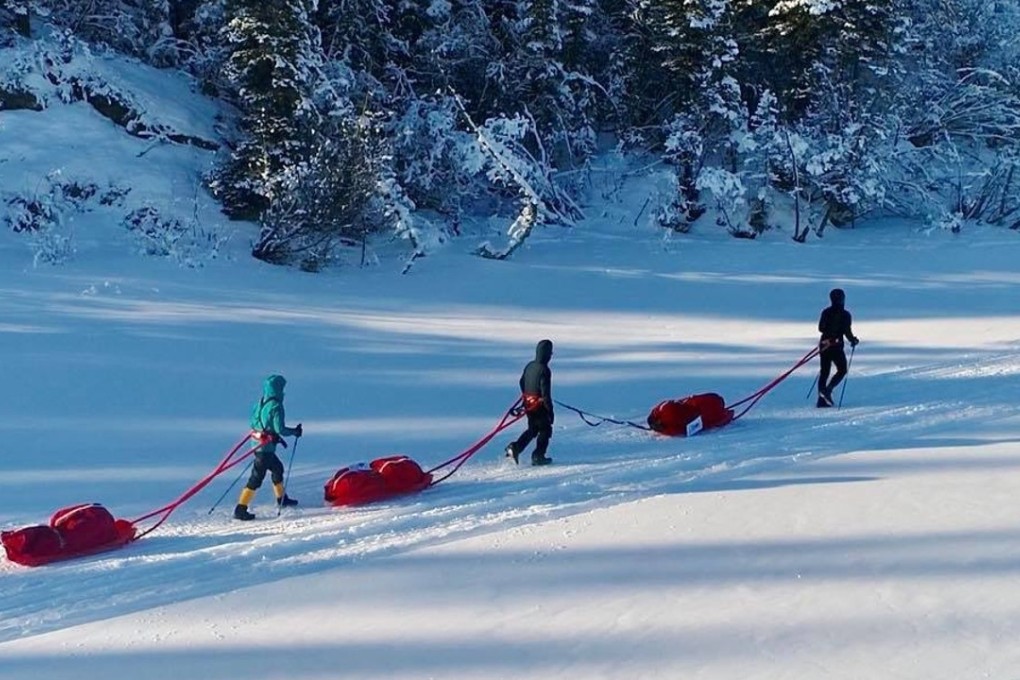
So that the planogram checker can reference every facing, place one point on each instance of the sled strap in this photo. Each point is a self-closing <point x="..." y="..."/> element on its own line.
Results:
<point x="585" y="415"/>
<point x="512" y="415"/>
<point x="232" y="458"/>
<point x="749" y="401"/>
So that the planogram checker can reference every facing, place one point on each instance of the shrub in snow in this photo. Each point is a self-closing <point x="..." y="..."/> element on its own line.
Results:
<point x="727" y="192"/>
<point x="437" y="163"/>
<point x="684" y="149"/>
<point x="511" y="164"/>
<point x="114" y="195"/>
<point x="30" y="213"/>
<point x="52" y="246"/>
<point x="960" y="161"/>
<point x="324" y="201"/>
<point x="186" y="244"/>
<point x="48" y="204"/>
<point x="43" y="216"/>
<point x="952" y="222"/>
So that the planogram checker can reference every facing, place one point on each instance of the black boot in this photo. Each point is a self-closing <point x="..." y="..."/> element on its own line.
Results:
<point x="512" y="452"/>
<point x="822" y="403"/>
<point x="241" y="513"/>
<point x="286" y="501"/>
<point x="540" y="460"/>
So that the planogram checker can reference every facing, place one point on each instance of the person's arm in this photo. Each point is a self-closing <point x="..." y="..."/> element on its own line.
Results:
<point x="279" y="424"/>
<point x="849" y="331"/>
<point x="546" y="386"/>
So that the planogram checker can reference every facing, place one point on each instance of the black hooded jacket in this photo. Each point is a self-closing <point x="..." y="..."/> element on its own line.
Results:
<point x="537" y="378"/>
<point x="834" y="323"/>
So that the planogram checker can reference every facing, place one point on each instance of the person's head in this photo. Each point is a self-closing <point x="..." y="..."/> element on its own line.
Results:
<point x="272" y="386"/>
<point x="837" y="297"/>
<point x="544" y="351"/>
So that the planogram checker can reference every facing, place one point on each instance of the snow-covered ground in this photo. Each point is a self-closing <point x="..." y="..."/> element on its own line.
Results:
<point x="877" y="540"/>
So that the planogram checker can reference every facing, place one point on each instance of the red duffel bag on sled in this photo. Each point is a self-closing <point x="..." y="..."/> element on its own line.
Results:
<point x="690" y="415"/>
<point x="381" y="479"/>
<point x="72" y="532"/>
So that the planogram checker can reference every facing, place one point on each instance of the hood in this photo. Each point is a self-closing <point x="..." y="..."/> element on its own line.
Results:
<point x="543" y="351"/>
<point x="837" y="297"/>
<point x="273" y="386"/>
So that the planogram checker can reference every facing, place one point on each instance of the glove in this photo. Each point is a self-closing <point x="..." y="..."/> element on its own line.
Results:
<point x="298" y="431"/>
<point x="854" y="341"/>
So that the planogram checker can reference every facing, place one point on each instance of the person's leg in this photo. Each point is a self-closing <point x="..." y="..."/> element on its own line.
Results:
<point x="543" y="431"/>
<point x="839" y="360"/>
<point x="825" y="367"/>
<point x="529" y="434"/>
<point x="258" y="474"/>
<point x="824" y="399"/>
<point x="275" y="467"/>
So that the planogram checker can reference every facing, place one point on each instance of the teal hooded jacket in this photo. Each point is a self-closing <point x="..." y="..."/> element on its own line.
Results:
<point x="267" y="415"/>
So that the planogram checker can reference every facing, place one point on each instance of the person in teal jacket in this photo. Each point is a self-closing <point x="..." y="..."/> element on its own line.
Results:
<point x="268" y="419"/>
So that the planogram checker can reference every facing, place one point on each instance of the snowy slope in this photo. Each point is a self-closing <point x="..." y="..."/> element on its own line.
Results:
<point x="130" y="390"/>
<point x="893" y="564"/>
<point x="633" y="556"/>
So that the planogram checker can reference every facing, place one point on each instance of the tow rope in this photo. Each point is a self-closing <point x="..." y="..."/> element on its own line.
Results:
<point x="512" y="415"/>
<point x="585" y="415"/>
<point x="233" y="458"/>
<point x="754" y="398"/>
<point x="748" y="402"/>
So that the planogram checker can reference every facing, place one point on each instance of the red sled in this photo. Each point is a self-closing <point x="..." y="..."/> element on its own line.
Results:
<point x="690" y="415"/>
<point x="76" y="531"/>
<point x="381" y="479"/>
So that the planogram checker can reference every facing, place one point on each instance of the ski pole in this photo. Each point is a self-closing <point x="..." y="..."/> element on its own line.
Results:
<point x="848" y="365"/>
<point x="286" y="480"/>
<point x="811" y="387"/>
<point x="232" y="485"/>
<point x="815" y="380"/>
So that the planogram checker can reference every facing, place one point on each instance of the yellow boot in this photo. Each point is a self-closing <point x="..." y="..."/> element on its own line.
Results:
<point x="241" y="510"/>
<point x="282" y="499"/>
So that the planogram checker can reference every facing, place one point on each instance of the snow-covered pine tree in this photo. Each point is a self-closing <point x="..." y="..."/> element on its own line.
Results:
<point x="197" y="29"/>
<point x="322" y="201"/>
<point x="268" y="52"/>
<point x="694" y="41"/>
<point x="815" y="44"/>
<point x="541" y="69"/>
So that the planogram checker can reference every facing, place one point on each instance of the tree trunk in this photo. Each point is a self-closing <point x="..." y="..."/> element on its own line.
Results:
<point x="23" y="22"/>
<point x="798" y="235"/>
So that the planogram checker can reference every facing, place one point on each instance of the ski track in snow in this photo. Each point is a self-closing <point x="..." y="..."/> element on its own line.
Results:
<point x="197" y="555"/>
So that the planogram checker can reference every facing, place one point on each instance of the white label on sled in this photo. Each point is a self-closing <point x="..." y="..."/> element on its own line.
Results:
<point x="694" y="427"/>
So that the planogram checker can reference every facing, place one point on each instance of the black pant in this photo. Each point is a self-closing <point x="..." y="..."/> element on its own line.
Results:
<point x="831" y="356"/>
<point x="539" y="425"/>
<point x="265" y="462"/>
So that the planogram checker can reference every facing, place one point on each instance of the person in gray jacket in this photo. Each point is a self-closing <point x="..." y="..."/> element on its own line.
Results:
<point x="536" y="392"/>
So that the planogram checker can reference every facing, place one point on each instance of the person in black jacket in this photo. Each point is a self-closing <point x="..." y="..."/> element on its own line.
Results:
<point x="536" y="391"/>
<point x="834" y="325"/>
